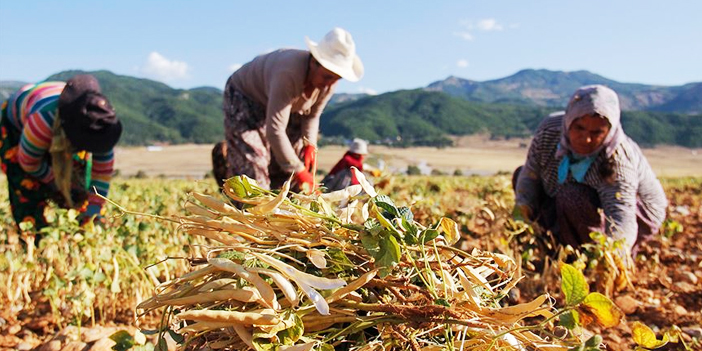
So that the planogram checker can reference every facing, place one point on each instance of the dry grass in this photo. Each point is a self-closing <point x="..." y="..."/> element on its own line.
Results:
<point x="472" y="156"/>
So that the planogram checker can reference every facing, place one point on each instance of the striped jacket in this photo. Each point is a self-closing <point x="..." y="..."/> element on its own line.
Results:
<point x="633" y="179"/>
<point x="32" y="110"/>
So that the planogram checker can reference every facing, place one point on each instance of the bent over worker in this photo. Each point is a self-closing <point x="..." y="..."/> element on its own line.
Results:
<point x="583" y="174"/>
<point x="274" y="102"/>
<point x="56" y="144"/>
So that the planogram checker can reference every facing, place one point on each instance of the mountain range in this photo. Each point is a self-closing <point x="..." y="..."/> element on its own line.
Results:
<point x="554" y="88"/>
<point x="153" y="112"/>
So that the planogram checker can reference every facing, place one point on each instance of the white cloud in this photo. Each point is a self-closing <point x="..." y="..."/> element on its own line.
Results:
<point x="159" y="67"/>
<point x="235" y="67"/>
<point x="489" y="25"/>
<point x="483" y="25"/>
<point x="368" y="91"/>
<point x="462" y="63"/>
<point x="464" y="35"/>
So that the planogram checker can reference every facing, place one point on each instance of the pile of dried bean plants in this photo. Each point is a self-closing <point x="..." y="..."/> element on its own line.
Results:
<point x="347" y="270"/>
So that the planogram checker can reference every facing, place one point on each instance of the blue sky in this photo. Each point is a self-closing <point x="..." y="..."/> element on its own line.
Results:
<point x="403" y="44"/>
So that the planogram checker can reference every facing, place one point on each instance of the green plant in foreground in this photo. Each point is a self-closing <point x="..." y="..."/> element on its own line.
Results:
<point x="583" y="307"/>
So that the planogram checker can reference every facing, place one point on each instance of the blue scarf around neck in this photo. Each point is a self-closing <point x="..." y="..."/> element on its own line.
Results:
<point x="577" y="166"/>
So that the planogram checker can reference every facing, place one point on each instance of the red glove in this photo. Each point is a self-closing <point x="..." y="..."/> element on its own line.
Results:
<point x="309" y="157"/>
<point x="304" y="177"/>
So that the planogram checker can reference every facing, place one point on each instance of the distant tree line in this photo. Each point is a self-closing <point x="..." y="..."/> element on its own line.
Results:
<point x="152" y="112"/>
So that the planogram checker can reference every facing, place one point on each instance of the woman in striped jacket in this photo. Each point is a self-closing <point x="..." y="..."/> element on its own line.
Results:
<point x="583" y="174"/>
<point x="56" y="142"/>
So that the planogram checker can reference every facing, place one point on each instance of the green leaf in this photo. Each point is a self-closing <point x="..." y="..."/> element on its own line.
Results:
<point x="442" y="302"/>
<point x="176" y="337"/>
<point x="371" y="224"/>
<point x="570" y="319"/>
<point x="406" y="213"/>
<point x="161" y="345"/>
<point x="594" y="342"/>
<point x="237" y="185"/>
<point x="232" y="255"/>
<point x="606" y="313"/>
<point x="429" y="235"/>
<point x="370" y="242"/>
<point x="290" y="335"/>
<point x="385" y="202"/>
<point x="338" y="261"/>
<point x="411" y="231"/>
<point x="645" y="337"/>
<point x="573" y="285"/>
<point x="26" y="226"/>
<point x="385" y="222"/>
<point x="264" y="344"/>
<point x="388" y="255"/>
<point x="123" y="340"/>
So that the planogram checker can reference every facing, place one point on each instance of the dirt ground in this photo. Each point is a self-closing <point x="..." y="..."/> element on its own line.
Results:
<point x="473" y="155"/>
<point x="666" y="291"/>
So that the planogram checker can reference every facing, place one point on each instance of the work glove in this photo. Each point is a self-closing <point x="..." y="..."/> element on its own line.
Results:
<point x="304" y="181"/>
<point x="309" y="157"/>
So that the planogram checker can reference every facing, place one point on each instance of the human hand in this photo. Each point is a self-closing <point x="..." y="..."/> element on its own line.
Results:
<point x="304" y="180"/>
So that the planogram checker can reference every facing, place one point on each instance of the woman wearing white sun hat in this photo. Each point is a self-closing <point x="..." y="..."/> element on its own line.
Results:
<point x="274" y="102"/>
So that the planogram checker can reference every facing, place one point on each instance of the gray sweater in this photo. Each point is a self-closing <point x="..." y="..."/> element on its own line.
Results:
<point x="276" y="81"/>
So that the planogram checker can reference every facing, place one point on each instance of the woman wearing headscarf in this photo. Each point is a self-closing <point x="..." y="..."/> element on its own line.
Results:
<point x="273" y="104"/>
<point x="583" y="174"/>
<point x="56" y="142"/>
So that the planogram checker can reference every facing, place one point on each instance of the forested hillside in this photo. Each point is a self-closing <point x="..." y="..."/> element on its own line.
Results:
<point x="418" y="117"/>
<point x="153" y="112"/>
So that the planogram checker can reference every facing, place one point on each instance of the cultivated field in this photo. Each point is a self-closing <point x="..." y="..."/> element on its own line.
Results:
<point x="475" y="156"/>
<point x="82" y="284"/>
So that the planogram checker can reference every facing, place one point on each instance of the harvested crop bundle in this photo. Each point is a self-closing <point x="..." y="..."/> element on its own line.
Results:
<point x="344" y="270"/>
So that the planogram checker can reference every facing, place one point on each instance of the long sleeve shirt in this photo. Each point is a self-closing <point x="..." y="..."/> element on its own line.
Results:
<point x="32" y="111"/>
<point x="276" y="81"/>
<point x="633" y="179"/>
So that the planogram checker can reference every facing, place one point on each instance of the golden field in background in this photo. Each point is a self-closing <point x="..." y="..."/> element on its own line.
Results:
<point x="474" y="156"/>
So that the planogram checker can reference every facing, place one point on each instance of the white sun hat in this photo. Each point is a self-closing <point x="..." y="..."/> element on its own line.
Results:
<point x="359" y="146"/>
<point x="337" y="53"/>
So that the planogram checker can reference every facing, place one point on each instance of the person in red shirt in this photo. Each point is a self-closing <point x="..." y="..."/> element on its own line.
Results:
<point x="340" y="175"/>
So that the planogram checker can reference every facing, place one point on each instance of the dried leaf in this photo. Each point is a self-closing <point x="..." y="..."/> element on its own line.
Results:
<point x="604" y="311"/>
<point x="645" y="337"/>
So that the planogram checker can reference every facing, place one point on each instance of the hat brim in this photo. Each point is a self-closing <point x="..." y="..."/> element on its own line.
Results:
<point x="354" y="73"/>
